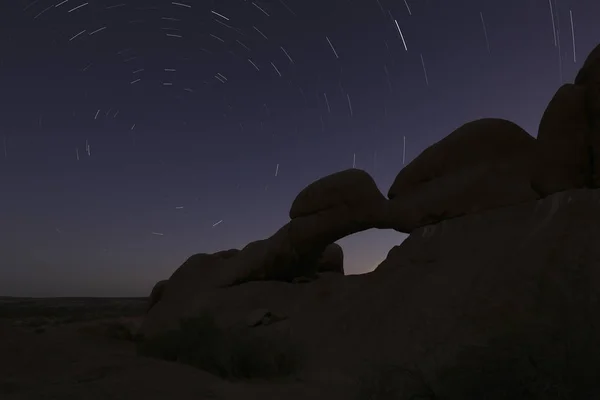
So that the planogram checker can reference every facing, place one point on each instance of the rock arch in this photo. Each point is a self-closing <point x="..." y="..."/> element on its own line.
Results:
<point x="482" y="165"/>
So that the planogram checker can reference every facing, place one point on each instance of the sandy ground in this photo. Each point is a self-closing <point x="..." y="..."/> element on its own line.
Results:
<point x="64" y="349"/>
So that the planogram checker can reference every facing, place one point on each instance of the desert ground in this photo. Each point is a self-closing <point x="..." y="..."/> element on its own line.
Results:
<point x="82" y="348"/>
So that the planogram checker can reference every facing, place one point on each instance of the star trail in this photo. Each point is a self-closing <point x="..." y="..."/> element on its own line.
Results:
<point x="159" y="129"/>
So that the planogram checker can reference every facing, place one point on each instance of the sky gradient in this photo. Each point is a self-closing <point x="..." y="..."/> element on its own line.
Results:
<point x="129" y="128"/>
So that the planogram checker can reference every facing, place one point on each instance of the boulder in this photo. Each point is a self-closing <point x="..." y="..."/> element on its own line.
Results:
<point x="475" y="143"/>
<point x="156" y="294"/>
<point x="198" y="273"/>
<point x="589" y="77"/>
<point x="351" y="188"/>
<point x="463" y="192"/>
<point x="481" y="165"/>
<point x="273" y="258"/>
<point x="286" y="257"/>
<point x="591" y="68"/>
<point x="497" y="294"/>
<point x="225" y="254"/>
<point x="332" y="259"/>
<point x="591" y="81"/>
<point x="563" y="143"/>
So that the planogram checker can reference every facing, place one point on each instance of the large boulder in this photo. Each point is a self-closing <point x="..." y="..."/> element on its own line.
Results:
<point x="590" y="71"/>
<point x="332" y="259"/>
<point x="508" y="300"/>
<point x="563" y="143"/>
<point x="156" y="294"/>
<point x="199" y="272"/>
<point x="483" y="164"/>
<point x="589" y="77"/>
<point x="351" y="188"/>
<point x="475" y="143"/>
<point x="462" y="192"/>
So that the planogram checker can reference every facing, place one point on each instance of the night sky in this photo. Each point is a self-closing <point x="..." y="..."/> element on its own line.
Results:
<point x="135" y="133"/>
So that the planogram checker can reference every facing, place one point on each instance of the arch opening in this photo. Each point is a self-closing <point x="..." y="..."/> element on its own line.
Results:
<point x="364" y="251"/>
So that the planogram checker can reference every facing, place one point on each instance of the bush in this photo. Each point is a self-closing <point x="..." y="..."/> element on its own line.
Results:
<point x="230" y="354"/>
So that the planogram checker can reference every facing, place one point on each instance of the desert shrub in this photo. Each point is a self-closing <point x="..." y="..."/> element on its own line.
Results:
<point x="391" y="382"/>
<point x="230" y="354"/>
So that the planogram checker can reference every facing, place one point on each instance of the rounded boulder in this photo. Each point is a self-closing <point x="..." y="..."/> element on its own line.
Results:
<point x="353" y="188"/>
<point x="474" y="143"/>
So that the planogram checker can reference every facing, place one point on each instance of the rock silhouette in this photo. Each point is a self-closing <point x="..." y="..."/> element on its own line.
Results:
<point x="569" y="134"/>
<point x="475" y="143"/>
<point x="157" y="292"/>
<point x="499" y="270"/>
<point x="563" y="159"/>
<point x="332" y="259"/>
<point x="353" y="188"/>
<point x="483" y="164"/>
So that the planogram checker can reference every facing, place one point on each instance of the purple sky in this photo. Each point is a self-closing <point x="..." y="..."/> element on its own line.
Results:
<point x="73" y="224"/>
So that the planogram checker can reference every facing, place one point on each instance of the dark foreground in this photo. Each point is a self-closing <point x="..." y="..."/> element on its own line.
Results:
<point x="84" y="348"/>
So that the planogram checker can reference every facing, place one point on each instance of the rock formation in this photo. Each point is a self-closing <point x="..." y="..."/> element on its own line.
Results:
<point x="569" y="134"/>
<point x="332" y="259"/>
<point x="157" y="292"/>
<point x="353" y="189"/>
<point x="482" y="164"/>
<point x="513" y="289"/>
<point x="499" y="268"/>
<point x="563" y="157"/>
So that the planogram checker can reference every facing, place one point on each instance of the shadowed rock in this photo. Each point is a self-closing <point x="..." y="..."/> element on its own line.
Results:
<point x="483" y="164"/>
<point x="225" y="254"/>
<point x="351" y="188"/>
<point x="563" y="157"/>
<point x="332" y="259"/>
<point x="591" y="80"/>
<point x="156" y="294"/>
<point x="591" y="68"/>
<point x="473" y="144"/>
<point x="586" y="96"/>
<point x="495" y="291"/>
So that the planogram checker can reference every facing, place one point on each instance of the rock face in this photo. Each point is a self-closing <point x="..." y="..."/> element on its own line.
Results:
<point x="589" y="77"/>
<point x="519" y="280"/>
<point x="332" y="259"/>
<point x="352" y="188"/>
<point x="563" y="141"/>
<point x="569" y="134"/>
<point x="591" y="68"/>
<point x="481" y="142"/>
<point x="481" y="165"/>
<point x="513" y="290"/>
<point x="157" y="292"/>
